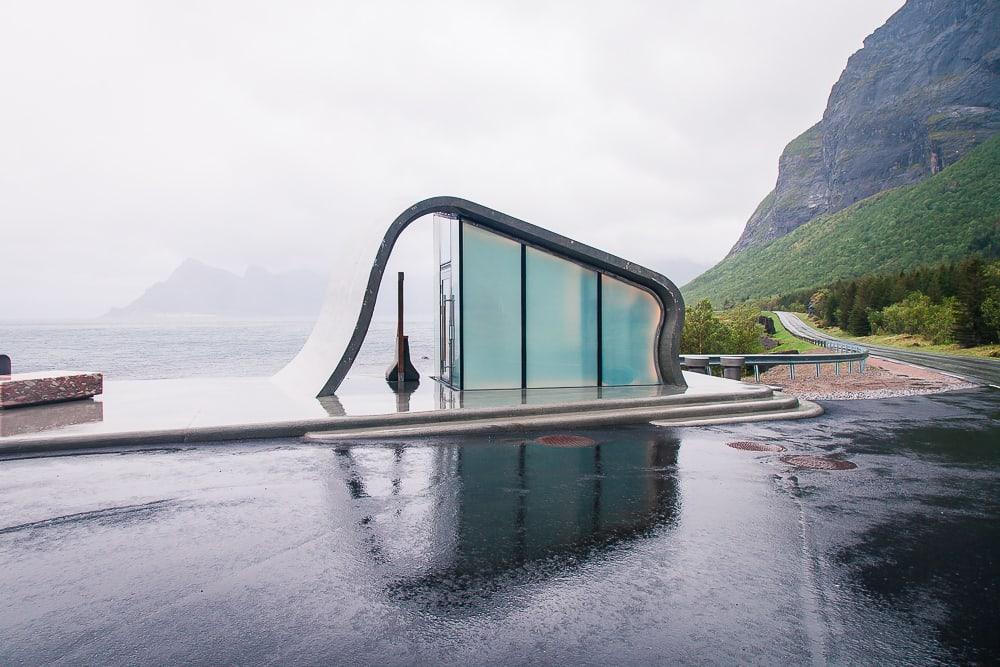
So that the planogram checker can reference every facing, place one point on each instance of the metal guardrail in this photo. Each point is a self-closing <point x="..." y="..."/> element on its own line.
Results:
<point x="848" y="353"/>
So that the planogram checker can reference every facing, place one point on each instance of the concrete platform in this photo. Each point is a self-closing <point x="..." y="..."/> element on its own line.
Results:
<point x="149" y="412"/>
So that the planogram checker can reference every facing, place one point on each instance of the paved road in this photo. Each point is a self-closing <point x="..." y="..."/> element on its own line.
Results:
<point x="975" y="369"/>
<point x="492" y="549"/>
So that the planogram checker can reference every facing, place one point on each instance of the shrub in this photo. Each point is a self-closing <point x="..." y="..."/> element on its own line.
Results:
<point x="743" y="334"/>
<point x="703" y="332"/>
<point x="735" y="332"/>
<point x="917" y="315"/>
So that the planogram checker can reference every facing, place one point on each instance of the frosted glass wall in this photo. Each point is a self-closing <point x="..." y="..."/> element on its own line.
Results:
<point x="560" y="322"/>
<point x="629" y="318"/>
<point x="490" y="310"/>
<point x="565" y="341"/>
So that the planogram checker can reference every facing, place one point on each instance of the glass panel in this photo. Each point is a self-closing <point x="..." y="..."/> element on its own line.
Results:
<point x="446" y="324"/>
<point x="560" y="321"/>
<point x="491" y="310"/>
<point x="442" y="236"/>
<point x="629" y="317"/>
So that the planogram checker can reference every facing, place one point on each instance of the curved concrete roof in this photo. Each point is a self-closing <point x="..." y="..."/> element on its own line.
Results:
<point x="331" y="349"/>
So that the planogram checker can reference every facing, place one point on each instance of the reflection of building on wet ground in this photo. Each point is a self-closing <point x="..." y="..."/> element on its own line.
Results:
<point x="479" y="513"/>
<point x="41" y="418"/>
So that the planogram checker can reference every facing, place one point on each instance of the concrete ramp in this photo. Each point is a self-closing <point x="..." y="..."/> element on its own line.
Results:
<point x="762" y="404"/>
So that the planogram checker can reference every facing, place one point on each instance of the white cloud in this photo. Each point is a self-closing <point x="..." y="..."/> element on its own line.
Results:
<point x="134" y="135"/>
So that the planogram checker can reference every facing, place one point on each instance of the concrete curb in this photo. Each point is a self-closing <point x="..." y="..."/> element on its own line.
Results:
<point x="754" y="404"/>
<point x="297" y="428"/>
<point x="750" y="409"/>
<point x="805" y="410"/>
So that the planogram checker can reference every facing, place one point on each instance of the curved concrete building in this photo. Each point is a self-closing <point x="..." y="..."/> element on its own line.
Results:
<point x="519" y="307"/>
<point x="535" y="330"/>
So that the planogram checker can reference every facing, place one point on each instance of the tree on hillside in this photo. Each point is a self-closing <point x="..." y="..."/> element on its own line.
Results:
<point x="931" y="286"/>
<point x="703" y="332"/>
<point x="970" y="327"/>
<point x="818" y="302"/>
<point x="987" y="242"/>
<point x="991" y="301"/>
<point x="867" y="297"/>
<point x="857" y="323"/>
<point x="736" y="332"/>
<point x="743" y="333"/>
<point x="829" y="313"/>
<point x="846" y="306"/>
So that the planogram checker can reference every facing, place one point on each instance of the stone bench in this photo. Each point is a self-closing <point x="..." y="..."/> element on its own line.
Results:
<point x="21" y="389"/>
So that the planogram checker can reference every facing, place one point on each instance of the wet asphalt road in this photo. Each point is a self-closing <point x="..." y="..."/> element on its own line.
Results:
<point x="656" y="545"/>
<point x="976" y="369"/>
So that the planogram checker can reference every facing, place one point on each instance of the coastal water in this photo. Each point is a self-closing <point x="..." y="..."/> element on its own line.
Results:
<point x="191" y="348"/>
<point x="640" y="546"/>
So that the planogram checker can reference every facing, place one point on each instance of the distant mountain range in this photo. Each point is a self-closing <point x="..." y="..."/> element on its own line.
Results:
<point x="919" y="97"/>
<point x="195" y="288"/>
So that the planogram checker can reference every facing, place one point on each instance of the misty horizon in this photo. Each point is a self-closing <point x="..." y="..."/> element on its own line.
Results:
<point x="139" y="136"/>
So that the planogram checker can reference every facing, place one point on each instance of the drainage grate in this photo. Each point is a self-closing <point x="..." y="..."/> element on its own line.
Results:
<point x="565" y="440"/>
<point x="818" y="462"/>
<point x="749" y="446"/>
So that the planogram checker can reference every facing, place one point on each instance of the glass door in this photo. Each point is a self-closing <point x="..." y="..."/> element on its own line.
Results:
<point x="447" y="327"/>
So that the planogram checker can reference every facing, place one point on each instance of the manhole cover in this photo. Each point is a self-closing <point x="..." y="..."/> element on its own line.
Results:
<point x="818" y="462"/>
<point x="749" y="446"/>
<point x="563" y="440"/>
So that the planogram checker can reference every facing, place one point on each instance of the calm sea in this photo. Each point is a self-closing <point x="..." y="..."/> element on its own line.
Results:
<point x="187" y="348"/>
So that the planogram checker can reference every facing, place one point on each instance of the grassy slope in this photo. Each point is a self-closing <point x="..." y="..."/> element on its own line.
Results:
<point x="908" y="342"/>
<point x="931" y="221"/>
<point x="787" y="340"/>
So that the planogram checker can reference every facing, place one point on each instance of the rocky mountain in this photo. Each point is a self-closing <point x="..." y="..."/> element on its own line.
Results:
<point x="944" y="217"/>
<point x="922" y="92"/>
<point x="195" y="288"/>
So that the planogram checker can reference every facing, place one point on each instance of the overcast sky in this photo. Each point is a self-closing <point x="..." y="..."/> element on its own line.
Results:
<point x="134" y="135"/>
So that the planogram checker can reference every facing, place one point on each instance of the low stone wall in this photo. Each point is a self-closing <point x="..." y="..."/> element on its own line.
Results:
<point x="23" y="389"/>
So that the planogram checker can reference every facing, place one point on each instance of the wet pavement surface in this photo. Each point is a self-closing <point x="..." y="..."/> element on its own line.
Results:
<point x="649" y="545"/>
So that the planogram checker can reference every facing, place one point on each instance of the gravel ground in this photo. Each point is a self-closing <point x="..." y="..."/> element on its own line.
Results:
<point x="882" y="379"/>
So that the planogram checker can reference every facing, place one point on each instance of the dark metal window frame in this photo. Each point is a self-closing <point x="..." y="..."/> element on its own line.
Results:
<point x="600" y="330"/>
<point x="524" y="316"/>
<point x="461" y="307"/>
<point x="461" y="221"/>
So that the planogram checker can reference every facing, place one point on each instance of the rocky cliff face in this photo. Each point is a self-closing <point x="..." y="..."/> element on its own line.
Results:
<point x="921" y="93"/>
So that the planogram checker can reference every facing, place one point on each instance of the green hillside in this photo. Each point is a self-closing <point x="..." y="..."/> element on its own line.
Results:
<point x="942" y="217"/>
